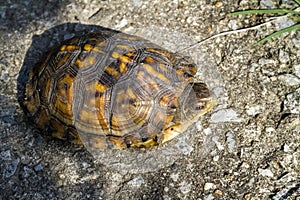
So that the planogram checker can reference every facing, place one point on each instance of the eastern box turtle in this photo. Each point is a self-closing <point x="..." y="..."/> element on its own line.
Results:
<point x="108" y="89"/>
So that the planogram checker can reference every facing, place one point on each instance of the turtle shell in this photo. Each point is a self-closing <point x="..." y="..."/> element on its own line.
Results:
<point x="108" y="89"/>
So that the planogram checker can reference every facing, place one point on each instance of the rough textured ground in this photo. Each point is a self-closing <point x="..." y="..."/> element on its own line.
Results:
<point x="246" y="148"/>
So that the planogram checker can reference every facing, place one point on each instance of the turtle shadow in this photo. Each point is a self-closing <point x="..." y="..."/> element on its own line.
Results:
<point x="42" y="43"/>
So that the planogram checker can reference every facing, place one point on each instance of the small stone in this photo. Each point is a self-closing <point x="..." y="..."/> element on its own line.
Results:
<point x="136" y="3"/>
<point x="292" y="102"/>
<point x="230" y="141"/>
<point x="209" y="186"/>
<point x="251" y="182"/>
<point x="218" y="4"/>
<point x="122" y="23"/>
<point x="185" y="187"/>
<point x="219" y="145"/>
<point x="136" y="182"/>
<point x="174" y="177"/>
<point x="264" y="61"/>
<point x="254" y="110"/>
<point x="166" y="189"/>
<point x="270" y="129"/>
<point x="11" y="168"/>
<point x="245" y="165"/>
<point x="218" y="192"/>
<point x="5" y="155"/>
<point x="184" y="147"/>
<point x="189" y="20"/>
<point x="265" y="172"/>
<point x="286" y="148"/>
<point x="233" y="24"/>
<point x="62" y="176"/>
<point x="283" y="56"/>
<point x="297" y="70"/>
<point x="209" y="197"/>
<point x="247" y="196"/>
<point x="216" y="158"/>
<point x="267" y="4"/>
<point x="289" y="79"/>
<point x="38" y="167"/>
<point x="226" y="115"/>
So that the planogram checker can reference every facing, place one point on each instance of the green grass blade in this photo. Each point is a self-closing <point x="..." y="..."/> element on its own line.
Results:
<point x="297" y="1"/>
<point x="277" y="33"/>
<point x="265" y="11"/>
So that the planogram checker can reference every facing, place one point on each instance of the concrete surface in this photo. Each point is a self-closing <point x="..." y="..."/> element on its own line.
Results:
<point x="246" y="148"/>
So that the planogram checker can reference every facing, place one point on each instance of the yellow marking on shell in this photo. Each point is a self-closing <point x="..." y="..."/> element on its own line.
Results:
<point x="155" y="73"/>
<point x="102" y="121"/>
<point x="96" y="87"/>
<point x="131" y="54"/>
<point x="69" y="47"/>
<point x="163" y="67"/>
<point x="130" y="93"/>
<point x="123" y="67"/>
<point x="100" y="87"/>
<point x="112" y="71"/>
<point x="89" y="117"/>
<point x="149" y="60"/>
<point x="64" y="96"/>
<point x="152" y="84"/>
<point x="88" y="47"/>
<point x="179" y="71"/>
<point x="164" y="100"/>
<point x="122" y="58"/>
<point x="86" y="62"/>
<point x="116" y="126"/>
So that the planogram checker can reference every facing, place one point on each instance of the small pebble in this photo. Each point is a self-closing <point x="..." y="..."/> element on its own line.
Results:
<point x="245" y="165"/>
<point x="226" y="115"/>
<point x="174" y="177"/>
<point x="218" y="4"/>
<point x="286" y="148"/>
<point x="265" y="172"/>
<point x="218" y="192"/>
<point x="136" y="182"/>
<point x="38" y="167"/>
<point x="11" y="168"/>
<point x="209" y="186"/>
<point x="230" y="141"/>
<point x="289" y="79"/>
<point x="5" y="155"/>
<point x="185" y="187"/>
<point x="247" y="196"/>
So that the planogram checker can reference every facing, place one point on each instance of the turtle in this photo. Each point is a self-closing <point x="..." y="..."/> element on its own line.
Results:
<point x="110" y="90"/>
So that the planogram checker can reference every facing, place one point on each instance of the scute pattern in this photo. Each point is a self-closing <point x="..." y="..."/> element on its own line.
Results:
<point x="107" y="89"/>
